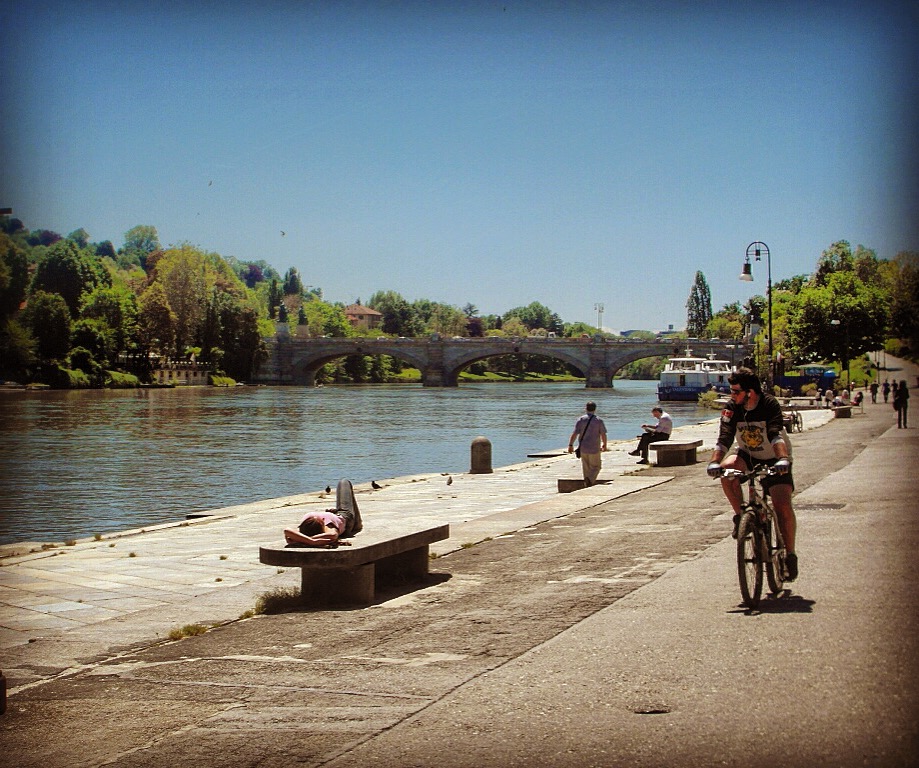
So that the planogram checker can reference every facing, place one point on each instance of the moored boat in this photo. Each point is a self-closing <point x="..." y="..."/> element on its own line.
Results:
<point x="685" y="378"/>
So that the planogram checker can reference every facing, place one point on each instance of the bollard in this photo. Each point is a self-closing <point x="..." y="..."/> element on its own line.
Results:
<point x="481" y="457"/>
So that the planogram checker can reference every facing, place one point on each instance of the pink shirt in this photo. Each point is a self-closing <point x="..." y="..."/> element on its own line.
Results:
<point x="327" y="518"/>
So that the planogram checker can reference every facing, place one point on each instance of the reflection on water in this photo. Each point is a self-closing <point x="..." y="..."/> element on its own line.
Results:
<point x="75" y="463"/>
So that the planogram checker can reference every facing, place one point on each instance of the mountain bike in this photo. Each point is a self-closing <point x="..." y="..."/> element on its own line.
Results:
<point x="759" y="538"/>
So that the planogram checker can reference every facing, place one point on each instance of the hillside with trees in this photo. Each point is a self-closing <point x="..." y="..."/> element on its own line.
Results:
<point x="79" y="313"/>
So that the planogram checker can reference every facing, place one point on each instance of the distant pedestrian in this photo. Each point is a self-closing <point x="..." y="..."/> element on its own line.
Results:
<point x="874" y="391"/>
<point x="590" y="432"/>
<point x="654" y="433"/>
<point x="886" y="390"/>
<point x="901" y="403"/>
<point x="828" y="397"/>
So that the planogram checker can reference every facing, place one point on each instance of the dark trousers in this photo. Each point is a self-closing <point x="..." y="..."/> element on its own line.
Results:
<point x="650" y="437"/>
<point x="346" y="508"/>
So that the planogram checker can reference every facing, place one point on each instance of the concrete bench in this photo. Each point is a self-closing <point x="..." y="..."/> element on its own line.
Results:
<point x="842" y="411"/>
<point x="569" y="484"/>
<point x="675" y="453"/>
<point x="349" y="575"/>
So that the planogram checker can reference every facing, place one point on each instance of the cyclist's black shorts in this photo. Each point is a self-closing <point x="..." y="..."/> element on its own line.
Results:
<point x="769" y="480"/>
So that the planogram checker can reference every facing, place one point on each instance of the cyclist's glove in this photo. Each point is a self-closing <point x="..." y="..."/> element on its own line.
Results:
<point x="783" y="466"/>
<point x="714" y="469"/>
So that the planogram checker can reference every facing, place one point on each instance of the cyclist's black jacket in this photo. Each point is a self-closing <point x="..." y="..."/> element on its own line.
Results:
<point x="757" y="430"/>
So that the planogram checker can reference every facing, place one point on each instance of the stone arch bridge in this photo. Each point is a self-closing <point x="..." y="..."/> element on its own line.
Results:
<point x="295" y="360"/>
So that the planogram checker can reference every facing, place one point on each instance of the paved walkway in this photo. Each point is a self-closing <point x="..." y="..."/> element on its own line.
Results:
<point x="127" y="587"/>
<point x="610" y="637"/>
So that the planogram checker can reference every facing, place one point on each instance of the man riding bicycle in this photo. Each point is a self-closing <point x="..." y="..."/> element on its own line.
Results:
<point x="755" y="419"/>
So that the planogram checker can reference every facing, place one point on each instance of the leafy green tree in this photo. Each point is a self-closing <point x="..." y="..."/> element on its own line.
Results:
<point x="837" y="258"/>
<point x="14" y="276"/>
<point x="96" y="338"/>
<point x="861" y="311"/>
<point x="47" y="316"/>
<point x="535" y="315"/>
<point x="399" y="317"/>
<point x="17" y="349"/>
<point x="903" y="279"/>
<point x="156" y="321"/>
<point x="70" y="272"/>
<point x="80" y="237"/>
<point x="183" y="274"/>
<point x="141" y="241"/>
<point x="698" y="307"/>
<point x="275" y="297"/>
<point x="116" y="307"/>
<point x="293" y="285"/>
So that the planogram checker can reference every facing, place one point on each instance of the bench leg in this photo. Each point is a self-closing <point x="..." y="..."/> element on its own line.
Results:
<point x="673" y="458"/>
<point x="404" y="567"/>
<point x="337" y="586"/>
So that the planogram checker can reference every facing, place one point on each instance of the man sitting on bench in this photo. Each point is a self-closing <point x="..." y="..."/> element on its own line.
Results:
<point x="329" y="528"/>
<point x="654" y="433"/>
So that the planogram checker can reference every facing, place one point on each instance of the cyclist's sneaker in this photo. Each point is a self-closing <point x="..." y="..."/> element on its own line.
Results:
<point x="791" y="565"/>
<point x="736" y="522"/>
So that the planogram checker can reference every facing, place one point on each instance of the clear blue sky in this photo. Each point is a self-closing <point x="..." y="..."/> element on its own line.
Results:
<point x="496" y="153"/>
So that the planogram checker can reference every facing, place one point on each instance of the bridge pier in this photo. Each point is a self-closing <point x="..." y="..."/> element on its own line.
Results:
<point x="599" y="378"/>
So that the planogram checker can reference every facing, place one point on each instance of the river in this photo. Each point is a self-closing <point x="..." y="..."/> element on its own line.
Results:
<point x="81" y="462"/>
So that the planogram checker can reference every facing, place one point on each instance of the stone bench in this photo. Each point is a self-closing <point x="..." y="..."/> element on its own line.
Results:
<point x="569" y="484"/>
<point x="349" y="575"/>
<point x="675" y="453"/>
<point x="842" y="411"/>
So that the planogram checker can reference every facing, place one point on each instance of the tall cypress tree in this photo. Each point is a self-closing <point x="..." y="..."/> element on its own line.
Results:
<point x="698" y="307"/>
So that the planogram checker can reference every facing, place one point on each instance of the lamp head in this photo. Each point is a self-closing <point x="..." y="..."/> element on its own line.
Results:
<point x="747" y="274"/>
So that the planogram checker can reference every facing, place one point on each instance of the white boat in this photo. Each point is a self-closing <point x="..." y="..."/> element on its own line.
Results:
<point x="685" y="378"/>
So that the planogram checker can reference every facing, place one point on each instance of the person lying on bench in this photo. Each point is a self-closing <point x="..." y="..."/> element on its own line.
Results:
<point x="329" y="528"/>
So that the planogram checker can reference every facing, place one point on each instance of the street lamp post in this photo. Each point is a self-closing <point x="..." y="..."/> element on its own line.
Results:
<point x="757" y="249"/>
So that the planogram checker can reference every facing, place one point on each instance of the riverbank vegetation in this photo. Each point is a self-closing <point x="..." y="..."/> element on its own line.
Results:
<point x="81" y="313"/>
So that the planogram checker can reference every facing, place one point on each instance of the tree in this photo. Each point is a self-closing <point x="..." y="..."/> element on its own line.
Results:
<point x="142" y="240"/>
<point x="80" y="237"/>
<point x="14" y="276"/>
<point x="862" y="312"/>
<point x="70" y="272"/>
<point x="47" y="316"/>
<point x="698" y="307"/>
<point x="116" y="307"/>
<point x="293" y="285"/>
<point x="155" y="320"/>
<point x="904" y="292"/>
<point x="535" y="315"/>
<point x="837" y="258"/>
<point x="183" y="274"/>
<point x="399" y="317"/>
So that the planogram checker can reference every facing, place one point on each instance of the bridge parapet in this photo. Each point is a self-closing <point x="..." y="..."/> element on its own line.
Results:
<point x="295" y="360"/>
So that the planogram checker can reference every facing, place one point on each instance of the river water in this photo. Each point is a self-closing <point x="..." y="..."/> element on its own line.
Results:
<point x="82" y="462"/>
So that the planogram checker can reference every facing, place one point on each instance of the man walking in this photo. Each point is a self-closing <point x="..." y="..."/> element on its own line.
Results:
<point x="590" y="431"/>
<point x="654" y="433"/>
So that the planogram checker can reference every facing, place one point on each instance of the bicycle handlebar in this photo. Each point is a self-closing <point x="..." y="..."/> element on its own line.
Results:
<point x="758" y="471"/>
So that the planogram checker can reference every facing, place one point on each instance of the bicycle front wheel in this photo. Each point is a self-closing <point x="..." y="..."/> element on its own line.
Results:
<point x="749" y="561"/>
<point x="774" y="554"/>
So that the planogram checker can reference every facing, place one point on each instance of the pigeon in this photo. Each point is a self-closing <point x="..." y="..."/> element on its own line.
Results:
<point x="375" y="485"/>
<point x="450" y="480"/>
<point x="328" y="489"/>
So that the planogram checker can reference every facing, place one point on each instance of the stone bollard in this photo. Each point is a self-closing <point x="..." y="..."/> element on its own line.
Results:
<point x="481" y="457"/>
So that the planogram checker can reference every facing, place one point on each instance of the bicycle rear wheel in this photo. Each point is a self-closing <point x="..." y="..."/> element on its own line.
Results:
<point x="749" y="560"/>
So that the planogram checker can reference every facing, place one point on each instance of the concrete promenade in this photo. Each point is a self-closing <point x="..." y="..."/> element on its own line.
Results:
<point x="599" y="628"/>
